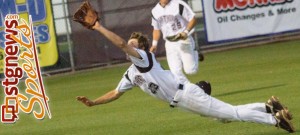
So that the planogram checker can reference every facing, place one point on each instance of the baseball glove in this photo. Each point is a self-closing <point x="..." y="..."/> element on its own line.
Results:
<point x="177" y="37"/>
<point x="173" y="38"/>
<point x="205" y="85"/>
<point x="86" y="15"/>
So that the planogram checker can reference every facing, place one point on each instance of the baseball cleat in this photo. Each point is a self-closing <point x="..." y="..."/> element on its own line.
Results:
<point x="201" y="57"/>
<point x="273" y="106"/>
<point x="283" y="121"/>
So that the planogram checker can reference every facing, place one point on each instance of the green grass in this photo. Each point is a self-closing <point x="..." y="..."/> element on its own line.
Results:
<point x="237" y="76"/>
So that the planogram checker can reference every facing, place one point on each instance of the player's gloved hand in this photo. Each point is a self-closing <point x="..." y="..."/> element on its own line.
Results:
<point x="86" y="15"/>
<point x="153" y="49"/>
<point x="183" y="35"/>
<point x="85" y="101"/>
<point x="179" y="36"/>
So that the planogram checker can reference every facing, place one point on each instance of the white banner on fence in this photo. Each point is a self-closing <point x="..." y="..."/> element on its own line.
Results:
<point x="235" y="19"/>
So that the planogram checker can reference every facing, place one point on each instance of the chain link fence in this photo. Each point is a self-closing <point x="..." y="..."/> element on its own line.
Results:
<point x="80" y="48"/>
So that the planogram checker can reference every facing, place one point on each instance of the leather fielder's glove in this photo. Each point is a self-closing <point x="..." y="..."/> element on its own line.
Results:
<point x="205" y="85"/>
<point x="179" y="36"/>
<point x="86" y="15"/>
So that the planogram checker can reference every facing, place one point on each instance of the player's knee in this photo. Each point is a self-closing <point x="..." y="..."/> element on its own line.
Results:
<point x="191" y="69"/>
<point x="191" y="72"/>
<point x="177" y="72"/>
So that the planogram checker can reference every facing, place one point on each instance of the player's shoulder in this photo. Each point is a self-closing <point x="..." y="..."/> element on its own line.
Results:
<point x="131" y="71"/>
<point x="156" y="7"/>
<point x="141" y="51"/>
<point x="182" y="2"/>
<point x="177" y="1"/>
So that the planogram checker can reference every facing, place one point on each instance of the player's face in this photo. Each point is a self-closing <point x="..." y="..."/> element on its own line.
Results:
<point x="133" y="42"/>
<point x="164" y="2"/>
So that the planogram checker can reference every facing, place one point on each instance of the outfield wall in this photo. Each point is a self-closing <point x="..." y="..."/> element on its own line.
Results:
<point x="80" y="48"/>
<point x="233" y="20"/>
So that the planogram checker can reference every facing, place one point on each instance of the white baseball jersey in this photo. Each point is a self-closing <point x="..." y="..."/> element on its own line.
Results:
<point x="148" y="74"/>
<point x="152" y="79"/>
<point x="173" y="18"/>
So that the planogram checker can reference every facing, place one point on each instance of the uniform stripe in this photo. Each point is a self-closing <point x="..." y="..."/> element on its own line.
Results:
<point x="153" y="17"/>
<point x="127" y="77"/>
<point x="181" y="9"/>
<point x="146" y="69"/>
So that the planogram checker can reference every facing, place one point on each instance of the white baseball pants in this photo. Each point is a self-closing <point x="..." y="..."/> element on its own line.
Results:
<point x="182" y="54"/>
<point x="194" y="99"/>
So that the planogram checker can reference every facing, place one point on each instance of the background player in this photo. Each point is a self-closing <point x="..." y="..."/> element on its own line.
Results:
<point x="147" y="73"/>
<point x="176" y="20"/>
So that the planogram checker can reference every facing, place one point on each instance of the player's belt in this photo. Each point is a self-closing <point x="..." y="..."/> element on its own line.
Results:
<point x="180" y="86"/>
<point x="173" y="103"/>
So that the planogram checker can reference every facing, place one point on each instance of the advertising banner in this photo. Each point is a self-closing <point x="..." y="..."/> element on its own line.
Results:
<point x="21" y="63"/>
<point x="41" y="13"/>
<point x="235" y="19"/>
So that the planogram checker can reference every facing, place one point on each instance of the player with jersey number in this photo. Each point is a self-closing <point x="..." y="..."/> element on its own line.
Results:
<point x="176" y="21"/>
<point x="146" y="73"/>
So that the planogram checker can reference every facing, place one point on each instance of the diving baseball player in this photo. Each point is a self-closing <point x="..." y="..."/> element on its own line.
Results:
<point x="176" y="21"/>
<point x="146" y="73"/>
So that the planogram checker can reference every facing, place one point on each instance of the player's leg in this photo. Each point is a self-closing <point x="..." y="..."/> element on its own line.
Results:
<point x="200" y="54"/>
<point x="194" y="99"/>
<point x="262" y="107"/>
<point x="189" y="56"/>
<point x="273" y="105"/>
<point x="254" y="106"/>
<point x="174" y="61"/>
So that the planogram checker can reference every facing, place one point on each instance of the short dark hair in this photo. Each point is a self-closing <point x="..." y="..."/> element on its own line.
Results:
<point x="142" y="40"/>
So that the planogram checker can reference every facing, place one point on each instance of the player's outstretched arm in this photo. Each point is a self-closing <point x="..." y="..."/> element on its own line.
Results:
<point x="116" y="40"/>
<point x="88" y="17"/>
<point x="106" y="98"/>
